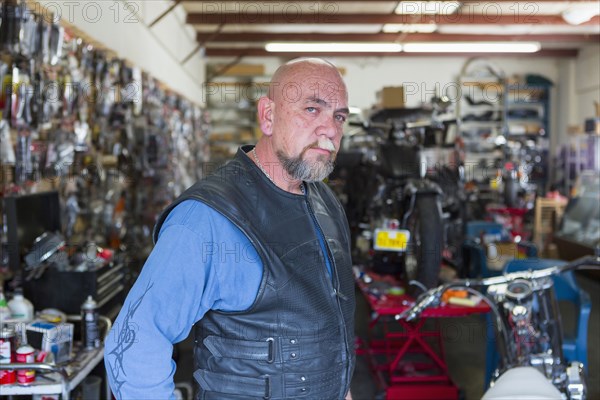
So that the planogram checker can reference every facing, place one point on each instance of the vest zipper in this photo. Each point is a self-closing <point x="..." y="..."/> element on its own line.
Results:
<point x="346" y="356"/>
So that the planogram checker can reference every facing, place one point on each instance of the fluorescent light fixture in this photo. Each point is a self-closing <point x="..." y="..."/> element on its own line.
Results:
<point x="427" y="7"/>
<point x="293" y="47"/>
<point x="421" y="47"/>
<point x="409" y="28"/>
<point x="472" y="47"/>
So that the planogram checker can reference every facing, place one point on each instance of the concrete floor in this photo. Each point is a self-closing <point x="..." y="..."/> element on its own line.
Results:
<point x="465" y="352"/>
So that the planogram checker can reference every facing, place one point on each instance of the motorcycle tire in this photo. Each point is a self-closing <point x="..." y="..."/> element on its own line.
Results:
<point x="511" y="193"/>
<point x="426" y="243"/>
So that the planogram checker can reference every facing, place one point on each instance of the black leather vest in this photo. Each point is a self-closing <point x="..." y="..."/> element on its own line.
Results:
<point x="297" y="339"/>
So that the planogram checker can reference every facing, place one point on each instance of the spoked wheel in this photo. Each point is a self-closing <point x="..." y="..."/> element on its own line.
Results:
<point x="424" y="253"/>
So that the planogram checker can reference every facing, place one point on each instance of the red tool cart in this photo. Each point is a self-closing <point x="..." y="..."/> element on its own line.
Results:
<point x="407" y="358"/>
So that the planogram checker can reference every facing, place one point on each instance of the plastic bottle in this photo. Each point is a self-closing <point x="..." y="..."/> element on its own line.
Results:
<point x="21" y="308"/>
<point x="90" y="336"/>
<point x="4" y="310"/>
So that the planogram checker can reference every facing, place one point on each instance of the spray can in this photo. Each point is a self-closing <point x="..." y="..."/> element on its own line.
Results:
<point x="8" y="343"/>
<point x="90" y="335"/>
<point x="25" y="355"/>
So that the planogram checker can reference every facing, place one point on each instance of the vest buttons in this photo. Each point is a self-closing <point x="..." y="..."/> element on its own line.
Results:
<point x="303" y="390"/>
<point x="293" y="355"/>
<point x="293" y="341"/>
<point x="303" y="378"/>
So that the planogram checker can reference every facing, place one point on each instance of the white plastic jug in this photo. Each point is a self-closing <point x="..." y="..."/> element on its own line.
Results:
<point x="20" y="308"/>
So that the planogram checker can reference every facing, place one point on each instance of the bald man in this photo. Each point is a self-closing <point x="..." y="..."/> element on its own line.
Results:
<point x="256" y="257"/>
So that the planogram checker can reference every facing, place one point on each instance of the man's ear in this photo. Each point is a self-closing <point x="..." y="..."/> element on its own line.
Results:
<point x="265" y="115"/>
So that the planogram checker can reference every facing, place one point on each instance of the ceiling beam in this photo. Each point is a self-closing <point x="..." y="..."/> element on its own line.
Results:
<point x="259" y="52"/>
<point x="320" y="18"/>
<point x="241" y="3"/>
<point x="259" y="37"/>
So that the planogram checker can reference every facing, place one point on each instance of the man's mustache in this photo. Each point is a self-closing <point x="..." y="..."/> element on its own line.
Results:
<point x="323" y="144"/>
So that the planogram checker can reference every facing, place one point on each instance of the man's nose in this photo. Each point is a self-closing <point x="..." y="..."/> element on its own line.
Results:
<point x="328" y="127"/>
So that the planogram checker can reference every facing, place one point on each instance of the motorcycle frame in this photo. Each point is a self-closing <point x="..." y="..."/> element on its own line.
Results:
<point x="546" y="321"/>
<point x="569" y="379"/>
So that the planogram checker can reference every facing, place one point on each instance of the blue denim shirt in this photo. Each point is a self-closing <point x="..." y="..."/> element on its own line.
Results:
<point x="201" y="262"/>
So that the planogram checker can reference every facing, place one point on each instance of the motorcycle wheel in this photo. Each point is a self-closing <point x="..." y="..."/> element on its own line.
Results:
<point x="424" y="253"/>
<point x="511" y="193"/>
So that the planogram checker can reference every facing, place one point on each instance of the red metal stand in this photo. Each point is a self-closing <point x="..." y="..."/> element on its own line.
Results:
<point x="407" y="358"/>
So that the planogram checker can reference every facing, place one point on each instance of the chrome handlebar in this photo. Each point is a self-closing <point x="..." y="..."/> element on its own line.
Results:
<point x="432" y="297"/>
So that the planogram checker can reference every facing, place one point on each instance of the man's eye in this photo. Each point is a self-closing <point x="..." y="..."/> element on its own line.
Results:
<point x="311" y="109"/>
<point x="340" y="118"/>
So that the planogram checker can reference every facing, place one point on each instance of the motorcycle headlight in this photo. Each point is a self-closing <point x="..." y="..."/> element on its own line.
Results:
<point x="518" y="290"/>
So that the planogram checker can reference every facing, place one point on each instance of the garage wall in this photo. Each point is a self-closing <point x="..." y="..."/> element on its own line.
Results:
<point x="124" y="27"/>
<point x="579" y="87"/>
<point x="161" y="49"/>
<point x="577" y="82"/>
<point x="421" y="75"/>
<point x="424" y="77"/>
<point x="587" y="81"/>
<point x="566" y="105"/>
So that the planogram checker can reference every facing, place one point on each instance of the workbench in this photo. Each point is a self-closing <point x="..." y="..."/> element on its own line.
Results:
<point x="59" y="379"/>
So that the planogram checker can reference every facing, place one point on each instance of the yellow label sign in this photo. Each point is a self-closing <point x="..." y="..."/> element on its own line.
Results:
<point x="391" y="239"/>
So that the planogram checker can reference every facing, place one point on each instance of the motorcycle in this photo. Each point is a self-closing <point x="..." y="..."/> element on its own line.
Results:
<point x="524" y="305"/>
<point x="520" y="174"/>
<point x="395" y="210"/>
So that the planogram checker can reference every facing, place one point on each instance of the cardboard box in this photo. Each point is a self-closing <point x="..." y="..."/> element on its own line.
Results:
<point x="391" y="97"/>
<point x="501" y="252"/>
<point x="52" y="338"/>
<point x="240" y="69"/>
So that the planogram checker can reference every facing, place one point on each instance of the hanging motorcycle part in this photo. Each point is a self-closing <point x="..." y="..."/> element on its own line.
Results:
<point x="7" y="153"/>
<point x="23" y="165"/>
<point x="10" y="28"/>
